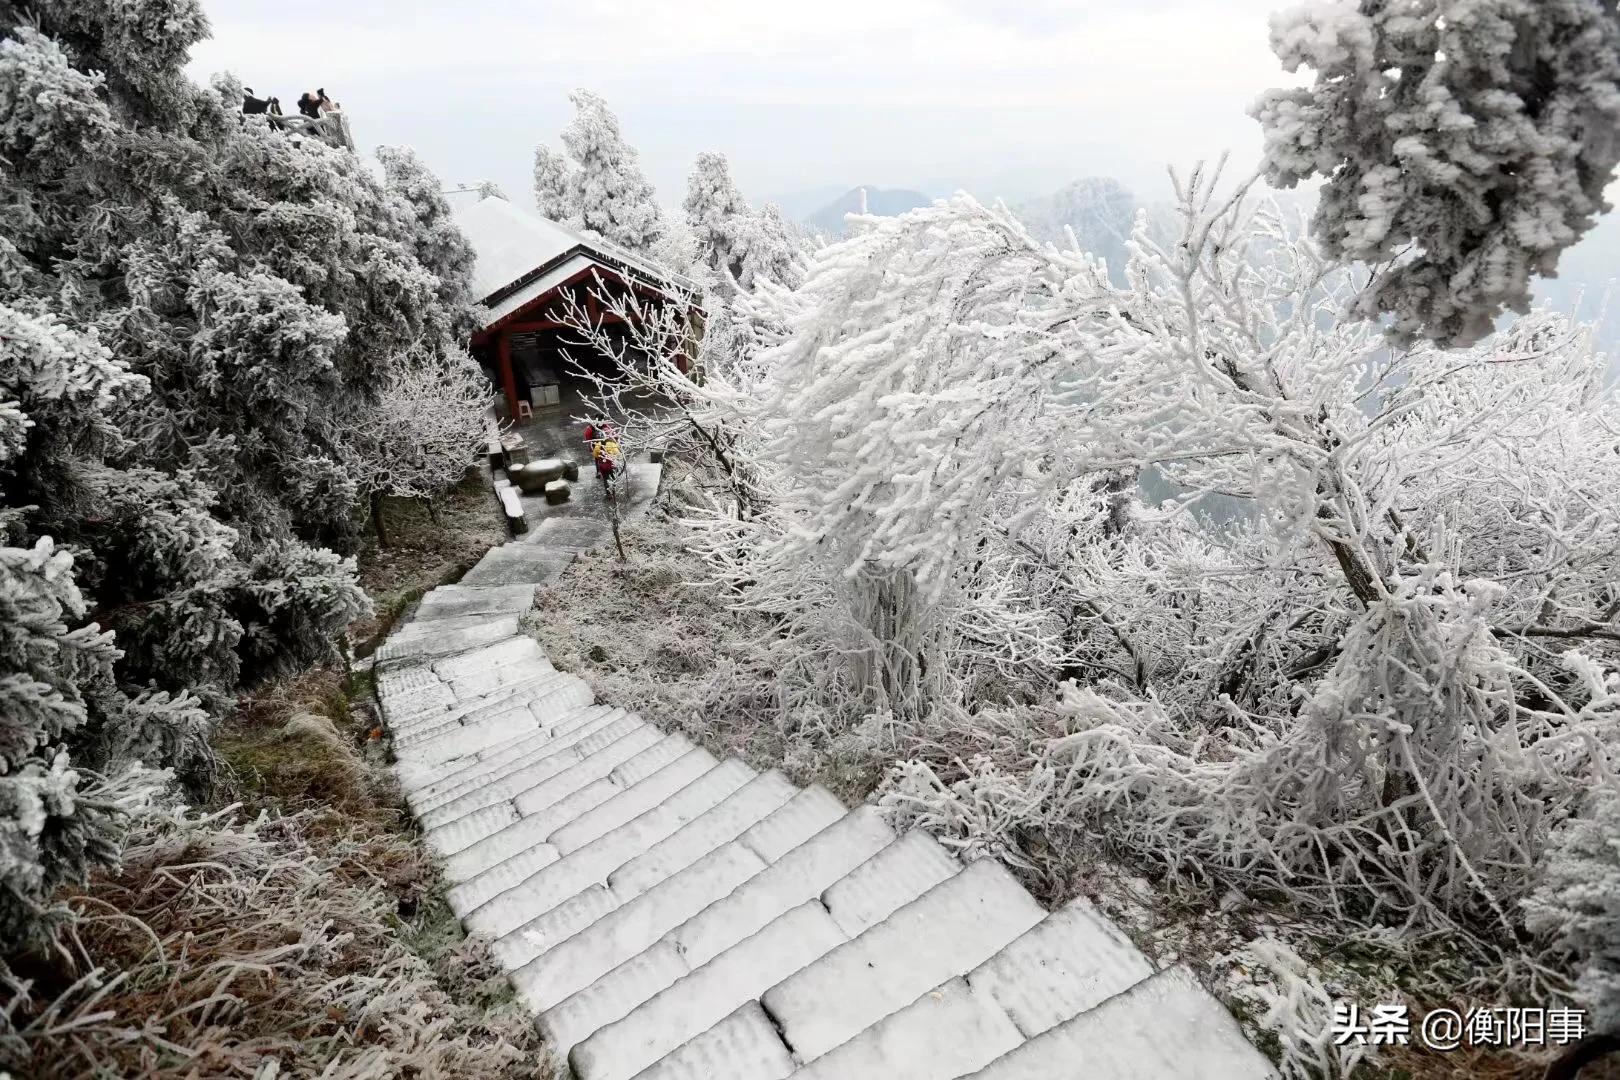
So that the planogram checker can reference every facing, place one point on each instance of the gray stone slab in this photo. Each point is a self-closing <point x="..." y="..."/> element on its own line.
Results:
<point x="1073" y="961"/>
<point x="698" y="1001"/>
<point x="799" y="875"/>
<point x="947" y="1032"/>
<point x="743" y="1046"/>
<point x="1166" y="1027"/>
<point x="570" y="533"/>
<point x="949" y="930"/>
<point x="531" y="564"/>
<point x="894" y="876"/>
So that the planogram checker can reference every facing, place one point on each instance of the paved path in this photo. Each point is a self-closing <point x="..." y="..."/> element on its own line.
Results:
<point x="670" y="916"/>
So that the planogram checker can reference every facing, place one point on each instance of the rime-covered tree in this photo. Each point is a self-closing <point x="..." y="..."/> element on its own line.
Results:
<point x="718" y="216"/>
<point x="61" y="710"/>
<point x="1465" y="145"/>
<point x="1097" y="210"/>
<point x="552" y="192"/>
<point x="196" y="307"/>
<point x="599" y="186"/>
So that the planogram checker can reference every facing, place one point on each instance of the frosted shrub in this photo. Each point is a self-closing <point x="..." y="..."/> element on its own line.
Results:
<point x="1577" y="906"/>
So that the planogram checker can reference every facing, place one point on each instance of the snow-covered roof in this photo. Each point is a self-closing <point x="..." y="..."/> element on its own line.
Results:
<point x="522" y="256"/>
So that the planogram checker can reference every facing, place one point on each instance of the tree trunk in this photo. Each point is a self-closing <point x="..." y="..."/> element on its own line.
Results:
<point x="377" y="520"/>
<point x="433" y="510"/>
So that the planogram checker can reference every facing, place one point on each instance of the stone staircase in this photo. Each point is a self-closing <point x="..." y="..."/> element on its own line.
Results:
<point x="669" y="915"/>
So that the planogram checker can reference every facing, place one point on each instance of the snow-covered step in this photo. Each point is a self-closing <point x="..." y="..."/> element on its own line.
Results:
<point x="738" y="812"/>
<point x="813" y="814"/>
<point x="600" y="840"/>
<point x="440" y="637"/>
<point x="586" y="786"/>
<point x="798" y="875"/>
<point x="620" y="739"/>
<point x="504" y="655"/>
<point x="469" y="829"/>
<point x="559" y="924"/>
<point x="462" y="739"/>
<point x="639" y="748"/>
<point x="611" y="997"/>
<point x="947" y="931"/>
<point x="949" y="1031"/>
<point x="517" y="689"/>
<point x="1166" y="1027"/>
<point x="1073" y="961"/>
<point x="595" y="789"/>
<point x="897" y="875"/>
<point x="1070" y="962"/>
<point x="505" y="758"/>
<point x="637" y="924"/>
<point x="544" y="696"/>
<point x="701" y="999"/>
<point x="744" y="1045"/>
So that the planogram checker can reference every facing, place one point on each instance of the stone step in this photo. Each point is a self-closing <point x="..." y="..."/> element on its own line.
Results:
<point x="505" y="758"/>
<point x="517" y="564"/>
<point x="515" y="950"/>
<point x="569" y="533"/>
<point x="952" y="928"/>
<point x="465" y="831"/>
<point x="520" y="836"/>
<point x="600" y="840"/>
<point x="558" y="755"/>
<point x="446" y="715"/>
<point x="600" y="784"/>
<point x="736" y="814"/>
<point x="1071" y="961"/>
<point x="806" y="816"/>
<point x="521" y="687"/>
<point x="440" y="637"/>
<point x="451" y="601"/>
<point x="611" y="997"/>
<point x="798" y="875"/>
<point x="512" y="652"/>
<point x="588" y="784"/>
<point x="637" y="924"/>
<point x="743" y="1045"/>
<point x="462" y="739"/>
<point x="947" y="1032"/>
<point x="1166" y="1027"/>
<point x="701" y="999"/>
<point x="642" y="751"/>
<point x="897" y="875"/>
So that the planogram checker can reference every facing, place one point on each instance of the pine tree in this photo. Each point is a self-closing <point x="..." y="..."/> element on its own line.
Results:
<point x="194" y="310"/>
<point x="718" y="217"/>
<point x="599" y="187"/>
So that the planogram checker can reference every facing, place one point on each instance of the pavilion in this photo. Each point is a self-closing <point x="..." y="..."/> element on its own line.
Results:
<point x="527" y="269"/>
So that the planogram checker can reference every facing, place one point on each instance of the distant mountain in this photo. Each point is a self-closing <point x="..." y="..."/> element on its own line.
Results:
<point x="885" y="203"/>
<point x="799" y="205"/>
<point x="1099" y="209"/>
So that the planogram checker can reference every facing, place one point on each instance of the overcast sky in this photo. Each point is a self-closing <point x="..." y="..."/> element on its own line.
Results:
<point x="800" y="95"/>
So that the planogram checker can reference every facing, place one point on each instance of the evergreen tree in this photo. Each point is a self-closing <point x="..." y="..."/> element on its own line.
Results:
<point x="599" y="186"/>
<point x="1466" y="144"/>
<point x="195" y="308"/>
<point x="718" y="217"/>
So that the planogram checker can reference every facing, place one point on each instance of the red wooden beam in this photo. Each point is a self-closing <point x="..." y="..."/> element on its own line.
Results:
<point x="508" y="380"/>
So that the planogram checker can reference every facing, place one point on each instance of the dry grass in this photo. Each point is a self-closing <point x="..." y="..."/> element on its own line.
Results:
<point x="295" y="926"/>
<point x="421" y="554"/>
<point x="226" y="947"/>
<point x="646" y="641"/>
